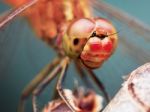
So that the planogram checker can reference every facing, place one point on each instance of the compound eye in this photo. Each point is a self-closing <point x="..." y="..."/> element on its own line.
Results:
<point x="81" y="28"/>
<point x="76" y="41"/>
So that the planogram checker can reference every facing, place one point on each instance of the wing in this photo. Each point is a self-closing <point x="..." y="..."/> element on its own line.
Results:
<point x="16" y="11"/>
<point x="132" y="22"/>
<point x="8" y="41"/>
<point x="13" y="34"/>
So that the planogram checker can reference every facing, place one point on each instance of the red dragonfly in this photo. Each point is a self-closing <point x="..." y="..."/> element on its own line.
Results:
<point x="69" y="28"/>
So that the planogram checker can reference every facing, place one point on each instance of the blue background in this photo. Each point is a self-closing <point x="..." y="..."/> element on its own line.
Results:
<point x="22" y="56"/>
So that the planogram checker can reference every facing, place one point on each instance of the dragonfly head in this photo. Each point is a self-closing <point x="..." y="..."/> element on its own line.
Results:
<point x="91" y="40"/>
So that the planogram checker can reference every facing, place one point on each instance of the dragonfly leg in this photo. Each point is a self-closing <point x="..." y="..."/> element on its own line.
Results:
<point x="28" y="90"/>
<point x="80" y="68"/>
<point x="59" y="85"/>
<point x="43" y="84"/>
<point x="55" y="92"/>
<point x="82" y="74"/>
<point x="99" y="84"/>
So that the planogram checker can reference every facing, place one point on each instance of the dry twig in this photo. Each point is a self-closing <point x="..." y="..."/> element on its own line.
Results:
<point x="134" y="96"/>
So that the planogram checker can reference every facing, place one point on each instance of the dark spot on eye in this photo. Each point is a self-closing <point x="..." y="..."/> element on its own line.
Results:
<point x="102" y="36"/>
<point x="76" y="41"/>
<point x="93" y="34"/>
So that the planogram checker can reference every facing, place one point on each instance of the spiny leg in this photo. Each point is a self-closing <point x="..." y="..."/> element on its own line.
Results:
<point x="43" y="84"/>
<point x="82" y="74"/>
<point x="33" y="84"/>
<point x="60" y="89"/>
<point x="80" y="68"/>
<point x="98" y="83"/>
<point x="55" y="92"/>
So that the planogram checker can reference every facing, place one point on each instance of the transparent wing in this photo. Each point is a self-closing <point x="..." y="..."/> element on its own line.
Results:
<point x="15" y="12"/>
<point x="13" y="32"/>
<point x="8" y="42"/>
<point x="138" y="26"/>
<point x="22" y="56"/>
<point x="10" y="38"/>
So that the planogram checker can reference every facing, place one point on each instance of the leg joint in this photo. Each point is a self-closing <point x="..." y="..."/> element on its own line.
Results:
<point x="59" y="87"/>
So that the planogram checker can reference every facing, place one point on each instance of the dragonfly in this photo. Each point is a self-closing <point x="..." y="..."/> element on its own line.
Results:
<point x="60" y="64"/>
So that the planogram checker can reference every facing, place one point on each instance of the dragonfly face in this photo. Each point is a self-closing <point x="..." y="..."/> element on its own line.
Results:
<point x="91" y="40"/>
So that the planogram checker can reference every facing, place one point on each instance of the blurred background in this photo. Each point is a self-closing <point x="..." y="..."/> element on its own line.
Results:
<point x="22" y="56"/>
